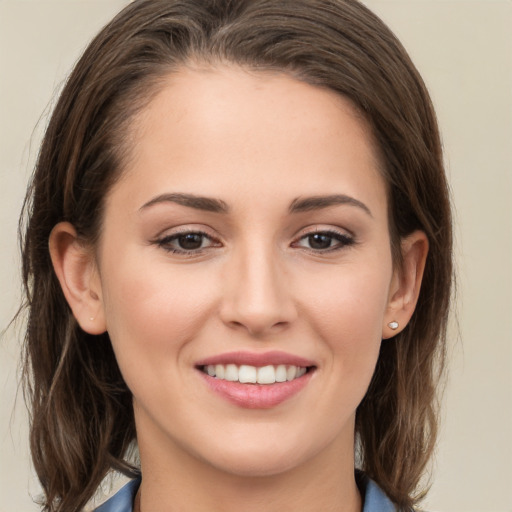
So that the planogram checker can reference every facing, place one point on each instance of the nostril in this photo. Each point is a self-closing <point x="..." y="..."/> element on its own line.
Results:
<point x="236" y="324"/>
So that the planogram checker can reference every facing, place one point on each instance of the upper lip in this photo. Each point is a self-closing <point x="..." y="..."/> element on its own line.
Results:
<point x="258" y="359"/>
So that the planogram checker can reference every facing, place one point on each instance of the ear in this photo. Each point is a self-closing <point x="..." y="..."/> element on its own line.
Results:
<point x="75" y="266"/>
<point x="406" y="284"/>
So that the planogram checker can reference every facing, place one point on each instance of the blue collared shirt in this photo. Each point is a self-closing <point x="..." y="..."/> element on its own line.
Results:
<point x="374" y="499"/>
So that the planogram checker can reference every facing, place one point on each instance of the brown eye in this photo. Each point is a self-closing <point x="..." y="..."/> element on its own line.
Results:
<point x="320" y="241"/>
<point x="325" y="241"/>
<point x="190" y="241"/>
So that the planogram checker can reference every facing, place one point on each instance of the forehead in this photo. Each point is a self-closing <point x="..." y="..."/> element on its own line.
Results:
<point x="208" y="129"/>
<point x="244" y="98"/>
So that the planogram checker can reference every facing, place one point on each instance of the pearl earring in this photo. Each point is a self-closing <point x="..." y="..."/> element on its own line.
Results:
<point x="393" y="325"/>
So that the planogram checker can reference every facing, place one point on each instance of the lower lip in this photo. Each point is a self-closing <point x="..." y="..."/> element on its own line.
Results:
<point x="257" y="396"/>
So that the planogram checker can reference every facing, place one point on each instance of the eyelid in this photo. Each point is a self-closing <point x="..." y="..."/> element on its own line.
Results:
<point x="168" y="235"/>
<point x="343" y="236"/>
<point x="184" y="228"/>
<point x="328" y="229"/>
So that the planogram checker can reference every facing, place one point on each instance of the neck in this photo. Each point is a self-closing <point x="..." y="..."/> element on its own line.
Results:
<point x="183" y="483"/>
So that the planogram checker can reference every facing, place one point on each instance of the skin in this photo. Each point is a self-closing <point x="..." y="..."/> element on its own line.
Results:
<point x="257" y="142"/>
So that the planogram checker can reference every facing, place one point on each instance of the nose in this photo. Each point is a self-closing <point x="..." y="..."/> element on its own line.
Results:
<point x="257" y="293"/>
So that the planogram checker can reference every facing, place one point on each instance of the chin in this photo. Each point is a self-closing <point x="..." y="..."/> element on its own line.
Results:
<point x="258" y="465"/>
<point x="257" y="458"/>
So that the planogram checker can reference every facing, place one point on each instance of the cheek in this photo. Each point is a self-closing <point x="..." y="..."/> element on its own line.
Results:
<point x="152" y="310"/>
<point x="346" y="309"/>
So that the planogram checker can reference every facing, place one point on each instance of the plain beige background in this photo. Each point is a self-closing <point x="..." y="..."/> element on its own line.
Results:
<point x="464" y="50"/>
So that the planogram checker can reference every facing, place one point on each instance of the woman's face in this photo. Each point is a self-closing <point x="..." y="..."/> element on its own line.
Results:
<point x="247" y="239"/>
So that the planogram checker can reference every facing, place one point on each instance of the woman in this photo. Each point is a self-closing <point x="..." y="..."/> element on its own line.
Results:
<point x="249" y="263"/>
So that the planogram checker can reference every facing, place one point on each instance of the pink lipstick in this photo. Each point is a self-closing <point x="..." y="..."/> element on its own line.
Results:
<point x="256" y="380"/>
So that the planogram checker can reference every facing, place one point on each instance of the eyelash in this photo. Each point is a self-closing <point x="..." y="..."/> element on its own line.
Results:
<point x="165" y="242"/>
<point x="343" y="240"/>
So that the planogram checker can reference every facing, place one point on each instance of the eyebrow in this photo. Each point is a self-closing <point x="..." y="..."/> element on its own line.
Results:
<point x="207" y="204"/>
<point x="308" y="204"/>
<point x="298" y="205"/>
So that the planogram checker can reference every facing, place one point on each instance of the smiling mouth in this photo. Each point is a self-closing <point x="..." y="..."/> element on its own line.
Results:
<point x="246" y="374"/>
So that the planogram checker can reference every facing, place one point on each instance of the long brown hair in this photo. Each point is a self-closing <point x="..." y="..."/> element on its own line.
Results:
<point x="81" y="412"/>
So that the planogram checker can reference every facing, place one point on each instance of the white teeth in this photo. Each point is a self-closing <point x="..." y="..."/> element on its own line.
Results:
<point x="231" y="373"/>
<point x="247" y="374"/>
<point x="219" y="371"/>
<point x="281" y="373"/>
<point x="291" y="373"/>
<point x="266" y="375"/>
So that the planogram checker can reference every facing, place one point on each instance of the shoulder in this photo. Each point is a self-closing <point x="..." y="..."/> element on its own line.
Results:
<point x="374" y="499"/>
<point x="122" y="501"/>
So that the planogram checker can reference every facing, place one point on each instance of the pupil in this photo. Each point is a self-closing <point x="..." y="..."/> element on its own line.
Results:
<point x="319" y="241"/>
<point x="191" y="241"/>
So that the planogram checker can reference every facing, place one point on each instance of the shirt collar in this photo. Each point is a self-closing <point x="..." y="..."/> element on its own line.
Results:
<point x="374" y="498"/>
